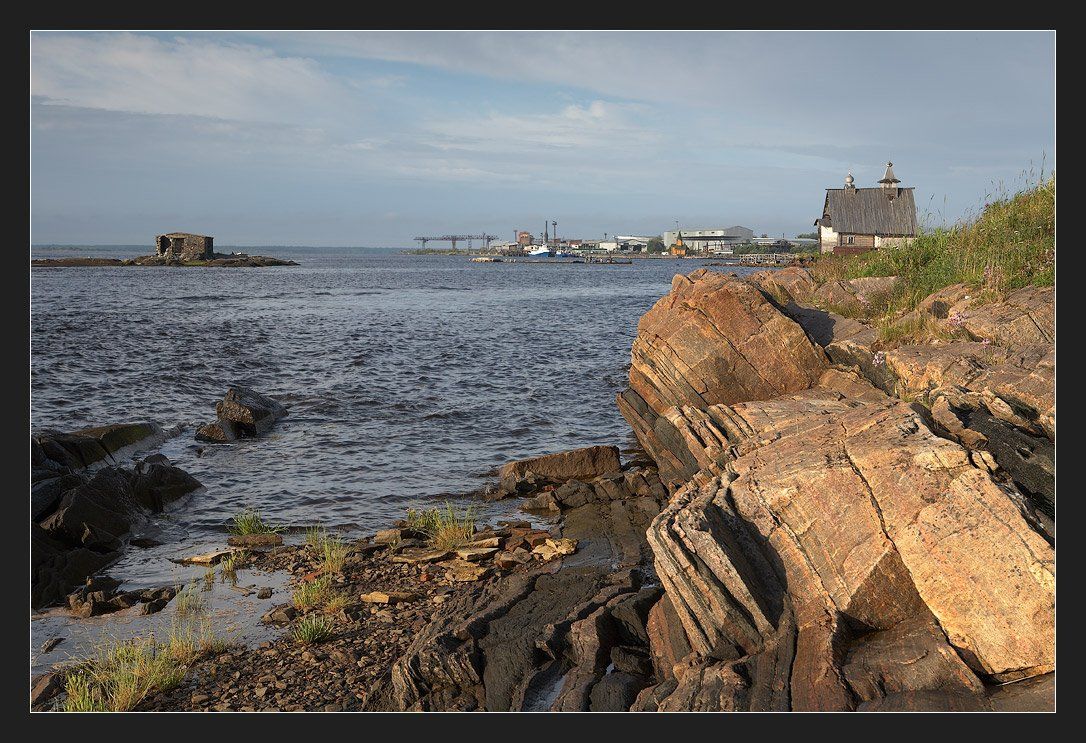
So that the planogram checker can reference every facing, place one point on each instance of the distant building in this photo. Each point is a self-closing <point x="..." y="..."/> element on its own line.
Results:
<point x="711" y="240"/>
<point x="855" y="220"/>
<point x="507" y="248"/>
<point x="524" y="238"/>
<point x="185" y="246"/>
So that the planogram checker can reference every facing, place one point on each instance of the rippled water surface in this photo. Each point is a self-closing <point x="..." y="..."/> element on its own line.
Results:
<point x="407" y="377"/>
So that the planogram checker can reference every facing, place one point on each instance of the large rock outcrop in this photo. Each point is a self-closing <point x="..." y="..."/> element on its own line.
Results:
<point x="997" y="378"/>
<point x="830" y="546"/>
<point x="711" y="340"/>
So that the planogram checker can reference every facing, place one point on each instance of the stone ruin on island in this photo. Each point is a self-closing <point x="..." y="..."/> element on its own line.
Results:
<point x="185" y="246"/>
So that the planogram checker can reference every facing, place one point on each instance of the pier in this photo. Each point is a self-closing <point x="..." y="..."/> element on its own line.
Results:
<point x="457" y="238"/>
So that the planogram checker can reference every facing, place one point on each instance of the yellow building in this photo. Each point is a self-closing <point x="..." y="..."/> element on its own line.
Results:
<point x="677" y="248"/>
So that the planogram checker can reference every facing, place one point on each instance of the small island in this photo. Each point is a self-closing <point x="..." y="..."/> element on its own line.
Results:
<point x="175" y="249"/>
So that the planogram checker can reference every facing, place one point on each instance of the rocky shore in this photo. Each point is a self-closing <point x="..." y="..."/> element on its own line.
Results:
<point x="822" y="519"/>
<point x="221" y="260"/>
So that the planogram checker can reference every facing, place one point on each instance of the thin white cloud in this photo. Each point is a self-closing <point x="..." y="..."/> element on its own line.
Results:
<point x="600" y="127"/>
<point x="180" y="76"/>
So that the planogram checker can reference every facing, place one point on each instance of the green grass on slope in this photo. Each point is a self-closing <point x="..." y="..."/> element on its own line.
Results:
<point x="1012" y="244"/>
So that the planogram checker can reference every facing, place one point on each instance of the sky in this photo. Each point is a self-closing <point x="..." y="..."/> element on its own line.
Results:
<point x="373" y="138"/>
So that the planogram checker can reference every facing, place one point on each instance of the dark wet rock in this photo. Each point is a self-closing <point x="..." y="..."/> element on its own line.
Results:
<point x="56" y="567"/>
<point x="154" y="606"/>
<point x="1037" y="694"/>
<point x="46" y="494"/>
<point x="281" y="614"/>
<point x="144" y="542"/>
<point x="631" y="615"/>
<point x="97" y="513"/>
<point x="218" y="432"/>
<point x="634" y="660"/>
<point x="539" y="637"/>
<point x="544" y="502"/>
<point x="264" y="593"/>
<point x="99" y="595"/>
<point x="242" y="413"/>
<point x="253" y="412"/>
<point x="80" y="449"/>
<point x="83" y="505"/>
<point x="616" y="692"/>
<point x="927" y="701"/>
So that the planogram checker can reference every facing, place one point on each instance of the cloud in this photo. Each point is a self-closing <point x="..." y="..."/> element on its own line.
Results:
<point x="181" y="76"/>
<point x="599" y="127"/>
<point x="432" y="125"/>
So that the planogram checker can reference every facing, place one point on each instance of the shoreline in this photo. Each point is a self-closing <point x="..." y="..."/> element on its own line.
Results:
<point x="667" y="599"/>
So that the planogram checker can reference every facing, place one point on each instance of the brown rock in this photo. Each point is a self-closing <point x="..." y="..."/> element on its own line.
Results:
<point x="462" y="571"/>
<point x="1027" y="317"/>
<point x="713" y="339"/>
<point x="417" y="555"/>
<point x="389" y="597"/>
<point x="667" y="639"/>
<point x="475" y="554"/>
<point x="852" y="511"/>
<point x="207" y="558"/>
<point x="784" y="286"/>
<point x="253" y="412"/>
<point x="46" y="687"/>
<point x="577" y="464"/>
<point x="553" y="548"/>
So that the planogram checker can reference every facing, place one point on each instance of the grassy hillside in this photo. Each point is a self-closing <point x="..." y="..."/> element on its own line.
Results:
<point x="1012" y="244"/>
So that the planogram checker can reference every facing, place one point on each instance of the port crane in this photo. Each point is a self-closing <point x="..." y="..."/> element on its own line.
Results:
<point x="457" y="238"/>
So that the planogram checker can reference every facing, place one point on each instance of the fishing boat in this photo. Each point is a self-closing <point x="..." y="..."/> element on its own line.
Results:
<point x="541" y="251"/>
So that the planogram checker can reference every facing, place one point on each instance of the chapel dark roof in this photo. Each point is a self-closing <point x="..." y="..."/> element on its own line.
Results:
<point x="870" y="211"/>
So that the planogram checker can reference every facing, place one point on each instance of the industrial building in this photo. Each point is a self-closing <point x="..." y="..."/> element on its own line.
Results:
<point x="713" y="240"/>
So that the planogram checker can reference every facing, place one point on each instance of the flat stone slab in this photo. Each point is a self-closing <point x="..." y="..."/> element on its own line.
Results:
<point x="208" y="558"/>
<point x="462" y="571"/>
<point x="388" y="597"/>
<point x="255" y="540"/>
<point x="417" y="555"/>
<point x="475" y="554"/>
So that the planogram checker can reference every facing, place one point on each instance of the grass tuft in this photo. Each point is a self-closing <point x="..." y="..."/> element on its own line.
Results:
<point x="190" y="602"/>
<point x="330" y="549"/>
<point x="250" y="522"/>
<point x="446" y="528"/>
<point x="228" y="568"/>
<point x="313" y="595"/>
<point x="312" y="628"/>
<point x="121" y="674"/>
